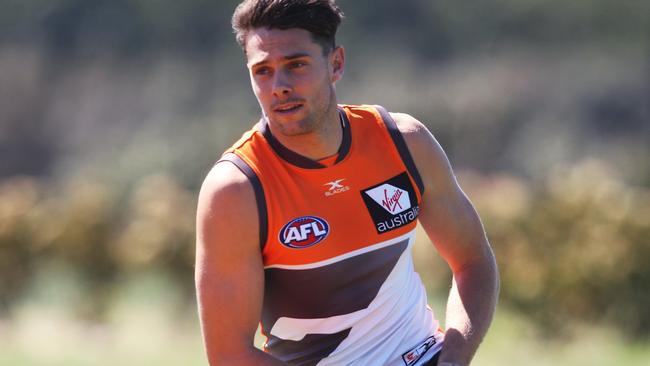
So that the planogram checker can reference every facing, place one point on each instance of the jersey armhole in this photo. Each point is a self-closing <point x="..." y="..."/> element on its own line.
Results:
<point x="260" y="199"/>
<point x="401" y="146"/>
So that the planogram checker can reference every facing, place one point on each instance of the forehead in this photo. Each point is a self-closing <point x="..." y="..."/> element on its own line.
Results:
<point x="265" y="45"/>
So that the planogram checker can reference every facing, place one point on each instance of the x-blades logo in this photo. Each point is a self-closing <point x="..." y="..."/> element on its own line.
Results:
<point x="335" y="184"/>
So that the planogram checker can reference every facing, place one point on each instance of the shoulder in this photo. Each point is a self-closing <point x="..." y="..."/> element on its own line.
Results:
<point x="226" y="191"/>
<point x="428" y="155"/>
<point x="225" y="179"/>
<point x="408" y="124"/>
<point x="416" y="134"/>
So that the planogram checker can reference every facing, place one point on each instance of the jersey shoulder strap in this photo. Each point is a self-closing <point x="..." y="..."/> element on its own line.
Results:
<point x="401" y="146"/>
<point x="262" y="212"/>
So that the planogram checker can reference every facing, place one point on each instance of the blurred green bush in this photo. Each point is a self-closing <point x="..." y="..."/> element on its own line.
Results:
<point x="95" y="232"/>
<point x="574" y="248"/>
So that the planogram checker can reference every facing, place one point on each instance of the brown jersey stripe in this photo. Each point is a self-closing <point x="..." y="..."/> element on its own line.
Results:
<point x="257" y="188"/>
<point x="344" y="149"/>
<point x="398" y="139"/>
<point x="286" y="154"/>
<point x="307" y="351"/>
<point x="317" y="292"/>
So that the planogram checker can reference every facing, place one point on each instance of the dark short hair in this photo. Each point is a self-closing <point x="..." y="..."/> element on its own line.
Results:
<point x="320" y="18"/>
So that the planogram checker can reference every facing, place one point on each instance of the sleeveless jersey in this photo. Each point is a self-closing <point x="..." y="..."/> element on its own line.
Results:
<point x="340" y="287"/>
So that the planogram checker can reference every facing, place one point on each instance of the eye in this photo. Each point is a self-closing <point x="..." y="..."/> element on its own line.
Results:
<point x="262" y="71"/>
<point x="297" y="64"/>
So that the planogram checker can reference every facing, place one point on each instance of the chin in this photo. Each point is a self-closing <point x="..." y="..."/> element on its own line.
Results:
<point x="296" y="128"/>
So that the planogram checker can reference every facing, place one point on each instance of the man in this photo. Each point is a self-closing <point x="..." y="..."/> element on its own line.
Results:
<point x="306" y="224"/>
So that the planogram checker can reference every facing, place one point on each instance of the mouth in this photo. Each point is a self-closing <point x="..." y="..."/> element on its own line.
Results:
<point x="286" y="108"/>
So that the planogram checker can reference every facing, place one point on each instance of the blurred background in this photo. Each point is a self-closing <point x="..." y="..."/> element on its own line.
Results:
<point x="113" y="111"/>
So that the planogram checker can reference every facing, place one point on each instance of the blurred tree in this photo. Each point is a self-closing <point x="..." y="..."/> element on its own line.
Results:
<point x="18" y="197"/>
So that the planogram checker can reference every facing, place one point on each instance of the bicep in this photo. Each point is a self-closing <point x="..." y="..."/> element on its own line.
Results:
<point x="452" y="224"/>
<point x="446" y="213"/>
<point x="229" y="272"/>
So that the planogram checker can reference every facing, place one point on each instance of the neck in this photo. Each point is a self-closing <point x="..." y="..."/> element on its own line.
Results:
<point x="324" y="141"/>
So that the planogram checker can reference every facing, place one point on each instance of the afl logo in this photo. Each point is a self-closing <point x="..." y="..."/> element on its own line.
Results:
<point x="304" y="232"/>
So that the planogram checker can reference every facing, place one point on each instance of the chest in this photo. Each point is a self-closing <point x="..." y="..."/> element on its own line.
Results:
<point x="318" y="214"/>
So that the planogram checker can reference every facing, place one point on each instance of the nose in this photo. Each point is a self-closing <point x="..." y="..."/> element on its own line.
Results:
<point x="281" y="85"/>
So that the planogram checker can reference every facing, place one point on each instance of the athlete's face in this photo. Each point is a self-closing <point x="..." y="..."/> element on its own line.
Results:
<point x="292" y="79"/>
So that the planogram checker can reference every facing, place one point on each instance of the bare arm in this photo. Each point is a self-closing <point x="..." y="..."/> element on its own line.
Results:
<point x="229" y="273"/>
<point x="452" y="224"/>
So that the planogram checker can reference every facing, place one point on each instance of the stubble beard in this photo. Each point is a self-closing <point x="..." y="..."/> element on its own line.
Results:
<point x="313" y="121"/>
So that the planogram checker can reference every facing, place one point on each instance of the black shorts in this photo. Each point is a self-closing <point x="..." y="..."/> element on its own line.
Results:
<point x="433" y="361"/>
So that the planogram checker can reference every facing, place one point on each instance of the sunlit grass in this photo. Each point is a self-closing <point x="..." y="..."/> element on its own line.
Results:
<point x="146" y="338"/>
<point x="143" y="327"/>
<point x="513" y="342"/>
<point x="143" y="338"/>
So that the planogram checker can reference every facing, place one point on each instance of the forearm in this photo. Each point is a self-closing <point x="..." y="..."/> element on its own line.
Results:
<point x="223" y="347"/>
<point x="470" y="307"/>
<point x="252" y="357"/>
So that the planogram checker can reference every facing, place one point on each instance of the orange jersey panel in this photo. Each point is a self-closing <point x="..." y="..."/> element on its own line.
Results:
<point x="332" y="193"/>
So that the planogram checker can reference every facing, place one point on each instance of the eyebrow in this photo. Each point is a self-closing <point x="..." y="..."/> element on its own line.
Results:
<point x="287" y="58"/>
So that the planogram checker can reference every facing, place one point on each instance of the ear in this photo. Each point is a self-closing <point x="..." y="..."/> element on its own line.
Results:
<point x="337" y="63"/>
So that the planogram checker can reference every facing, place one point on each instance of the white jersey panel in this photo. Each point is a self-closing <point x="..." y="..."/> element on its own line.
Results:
<point x="395" y="321"/>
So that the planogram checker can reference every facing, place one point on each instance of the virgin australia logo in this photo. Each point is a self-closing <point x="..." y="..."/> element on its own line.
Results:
<point x="392" y="203"/>
<point x="392" y="199"/>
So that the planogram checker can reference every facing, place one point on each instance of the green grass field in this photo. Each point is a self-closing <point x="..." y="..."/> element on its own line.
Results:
<point x="147" y="326"/>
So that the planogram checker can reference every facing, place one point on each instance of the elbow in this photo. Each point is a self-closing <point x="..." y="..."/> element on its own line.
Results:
<point x="244" y="357"/>
<point x="481" y="269"/>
